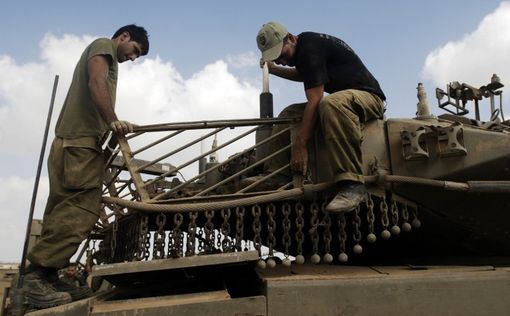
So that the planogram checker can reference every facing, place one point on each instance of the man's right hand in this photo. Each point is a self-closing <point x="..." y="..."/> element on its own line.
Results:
<point x="270" y="64"/>
<point x="122" y="127"/>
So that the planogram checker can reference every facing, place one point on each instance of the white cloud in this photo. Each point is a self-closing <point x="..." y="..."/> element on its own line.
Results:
<point x="243" y="60"/>
<point x="153" y="92"/>
<point x="149" y="91"/>
<point x="16" y="196"/>
<point x="476" y="56"/>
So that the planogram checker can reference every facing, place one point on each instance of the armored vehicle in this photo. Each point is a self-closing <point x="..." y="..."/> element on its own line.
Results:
<point x="432" y="236"/>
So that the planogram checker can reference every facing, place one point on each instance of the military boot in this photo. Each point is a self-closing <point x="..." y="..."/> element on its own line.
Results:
<point x="39" y="293"/>
<point x="349" y="196"/>
<point x="76" y="292"/>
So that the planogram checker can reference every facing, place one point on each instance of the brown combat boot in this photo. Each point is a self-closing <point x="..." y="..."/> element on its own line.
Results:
<point x="39" y="293"/>
<point x="76" y="292"/>
<point x="349" y="196"/>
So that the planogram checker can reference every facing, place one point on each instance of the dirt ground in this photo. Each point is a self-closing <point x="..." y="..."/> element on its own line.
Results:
<point x="6" y="275"/>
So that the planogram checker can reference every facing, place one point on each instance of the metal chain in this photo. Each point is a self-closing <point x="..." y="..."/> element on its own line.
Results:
<point x="240" y="211"/>
<point x="385" y="234"/>
<point x="370" y="214"/>
<point x="314" y="227"/>
<point x="395" y="229"/>
<point x="209" y="230"/>
<point x="171" y="245"/>
<point x="356" y="223"/>
<point x="144" y="229"/>
<point x="159" y="237"/>
<point x="178" y="235"/>
<point x="327" y="233"/>
<point x="356" y="233"/>
<point x="405" y="213"/>
<point x="226" y="243"/>
<point x="192" y="232"/>
<point x="384" y="212"/>
<point x="416" y="223"/>
<point x="271" y="227"/>
<point x="217" y="238"/>
<point x="147" y="246"/>
<point x="113" y="241"/>
<point x="200" y="240"/>
<point x="181" y="235"/>
<point x="257" y="227"/>
<point x="405" y="219"/>
<point x="286" y="228"/>
<point x="300" y="223"/>
<point x="342" y="234"/>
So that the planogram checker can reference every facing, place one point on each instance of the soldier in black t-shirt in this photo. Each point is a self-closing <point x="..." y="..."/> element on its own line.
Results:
<point x="325" y="64"/>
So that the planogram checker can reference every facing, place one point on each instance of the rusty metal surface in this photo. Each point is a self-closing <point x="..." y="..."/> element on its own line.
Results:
<point x="487" y="155"/>
<point x="174" y="263"/>
<point x="212" y="303"/>
<point x="331" y="290"/>
<point x="79" y="308"/>
<point x="204" y="304"/>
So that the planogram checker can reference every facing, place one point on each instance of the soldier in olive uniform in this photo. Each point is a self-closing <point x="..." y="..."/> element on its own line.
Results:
<point x="324" y="63"/>
<point x="76" y="164"/>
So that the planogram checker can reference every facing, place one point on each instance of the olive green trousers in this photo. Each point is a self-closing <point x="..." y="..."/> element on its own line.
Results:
<point x="340" y="117"/>
<point x="75" y="170"/>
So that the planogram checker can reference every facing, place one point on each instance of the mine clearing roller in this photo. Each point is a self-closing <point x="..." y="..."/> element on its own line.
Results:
<point x="435" y="187"/>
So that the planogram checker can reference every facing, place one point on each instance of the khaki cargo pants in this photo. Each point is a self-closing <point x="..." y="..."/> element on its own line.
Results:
<point x="340" y="117"/>
<point x="76" y="170"/>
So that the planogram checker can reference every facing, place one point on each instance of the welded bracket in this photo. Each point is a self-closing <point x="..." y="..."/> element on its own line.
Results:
<point x="451" y="140"/>
<point x="414" y="145"/>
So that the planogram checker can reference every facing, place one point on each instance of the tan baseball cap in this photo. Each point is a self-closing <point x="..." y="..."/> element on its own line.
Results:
<point x="270" y="40"/>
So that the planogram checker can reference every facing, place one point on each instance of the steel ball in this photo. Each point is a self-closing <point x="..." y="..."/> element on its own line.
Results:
<point x="300" y="259"/>
<point x="416" y="223"/>
<point x="357" y="249"/>
<point x="371" y="238"/>
<point x="315" y="259"/>
<point x="271" y="263"/>
<point x="385" y="234"/>
<point x="395" y="230"/>
<point x="343" y="257"/>
<point x="261" y="264"/>
<point x="406" y="227"/>
<point x="328" y="258"/>
<point x="286" y="262"/>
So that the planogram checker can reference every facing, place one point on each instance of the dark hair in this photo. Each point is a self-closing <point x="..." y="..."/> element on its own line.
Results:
<point x="137" y="34"/>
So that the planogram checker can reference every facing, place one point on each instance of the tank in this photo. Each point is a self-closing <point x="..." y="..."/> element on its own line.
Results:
<point x="431" y="237"/>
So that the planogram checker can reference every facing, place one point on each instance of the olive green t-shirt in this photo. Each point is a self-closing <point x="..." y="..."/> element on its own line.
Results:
<point x="79" y="116"/>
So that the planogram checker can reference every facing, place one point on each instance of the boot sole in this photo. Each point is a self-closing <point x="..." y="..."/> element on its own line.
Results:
<point x="38" y="304"/>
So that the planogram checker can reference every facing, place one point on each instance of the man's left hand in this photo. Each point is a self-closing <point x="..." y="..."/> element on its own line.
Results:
<point x="122" y="127"/>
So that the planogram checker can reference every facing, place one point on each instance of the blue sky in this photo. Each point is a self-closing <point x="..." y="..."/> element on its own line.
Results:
<point x="203" y="64"/>
<point x="392" y="37"/>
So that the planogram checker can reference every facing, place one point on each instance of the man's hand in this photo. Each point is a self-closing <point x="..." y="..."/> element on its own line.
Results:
<point x="270" y="65"/>
<point x="122" y="127"/>
<point x="299" y="157"/>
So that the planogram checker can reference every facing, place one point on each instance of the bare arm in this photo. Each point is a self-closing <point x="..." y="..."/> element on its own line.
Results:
<point x="299" y="159"/>
<point x="288" y="73"/>
<point x="98" y="71"/>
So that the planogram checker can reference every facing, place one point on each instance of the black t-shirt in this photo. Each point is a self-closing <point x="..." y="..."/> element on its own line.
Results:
<point x="326" y="60"/>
